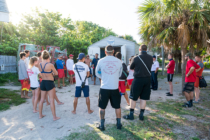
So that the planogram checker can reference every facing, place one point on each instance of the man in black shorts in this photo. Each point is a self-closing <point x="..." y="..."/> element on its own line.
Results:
<point x="141" y="84"/>
<point x="109" y="69"/>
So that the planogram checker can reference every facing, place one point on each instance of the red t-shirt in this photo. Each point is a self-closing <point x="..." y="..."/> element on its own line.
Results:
<point x="192" y="76"/>
<point x="170" y="70"/>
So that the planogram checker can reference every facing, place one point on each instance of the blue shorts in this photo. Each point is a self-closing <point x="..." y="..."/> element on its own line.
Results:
<point x="79" y="90"/>
<point x="90" y="71"/>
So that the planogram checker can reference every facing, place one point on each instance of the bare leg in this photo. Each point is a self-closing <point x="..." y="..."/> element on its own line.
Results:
<point x="48" y="103"/>
<point x="43" y="94"/>
<point x="52" y="103"/>
<point x="59" y="82"/>
<point x="71" y="79"/>
<point x="102" y="113"/>
<point x="88" y="105"/>
<point x="118" y="113"/>
<point x="171" y="87"/>
<point x="22" y="94"/>
<point x="63" y="79"/>
<point x="26" y="95"/>
<point x="197" y="93"/>
<point x="129" y="86"/>
<point x="143" y="104"/>
<point x="126" y="98"/>
<point x="187" y="96"/>
<point x="33" y="97"/>
<point x="191" y="95"/>
<point x="37" y="94"/>
<point x="132" y="104"/>
<point x="94" y="80"/>
<point x="57" y="100"/>
<point x="75" y="105"/>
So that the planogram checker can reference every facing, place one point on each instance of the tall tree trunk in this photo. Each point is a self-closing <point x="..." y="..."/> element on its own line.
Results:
<point x="180" y="65"/>
<point x="176" y="65"/>
<point x="183" y="53"/>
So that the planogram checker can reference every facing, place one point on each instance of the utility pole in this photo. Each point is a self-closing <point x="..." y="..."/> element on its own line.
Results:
<point x="163" y="60"/>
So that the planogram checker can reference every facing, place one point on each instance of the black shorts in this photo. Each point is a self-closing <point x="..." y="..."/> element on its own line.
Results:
<point x="105" y="95"/>
<point x="47" y="85"/>
<point x="94" y="72"/>
<point x="170" y="77"/>
<point x="34" y="88"/>
<point x="188" y="87"/>
<point x="140" y="88"/>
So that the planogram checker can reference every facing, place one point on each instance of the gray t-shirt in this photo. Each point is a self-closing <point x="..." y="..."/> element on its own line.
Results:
<point x="200" y="64"/>
<point x="22" y="73"/>
<point x="109" y="69"/>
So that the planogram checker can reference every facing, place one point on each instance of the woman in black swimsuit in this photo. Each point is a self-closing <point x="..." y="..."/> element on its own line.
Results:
<point x="47" y="85"/>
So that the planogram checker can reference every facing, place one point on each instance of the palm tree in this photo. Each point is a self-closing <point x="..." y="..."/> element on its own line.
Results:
<point x="176" y="23"/>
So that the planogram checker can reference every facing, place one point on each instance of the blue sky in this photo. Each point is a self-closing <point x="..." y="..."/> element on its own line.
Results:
<point x="119" y="15"/>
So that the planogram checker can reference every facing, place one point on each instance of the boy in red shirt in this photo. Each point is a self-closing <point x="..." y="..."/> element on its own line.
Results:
<point x="170" y="71"/>
<point x="190" y="79"/>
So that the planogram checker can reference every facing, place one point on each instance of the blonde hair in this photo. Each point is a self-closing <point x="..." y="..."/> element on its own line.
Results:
<point x="45" y="55"/>
<point x="32" y="60"/>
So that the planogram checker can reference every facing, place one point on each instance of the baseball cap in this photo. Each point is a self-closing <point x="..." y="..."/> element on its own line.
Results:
<point x="71" y="55"/>
<point x="154" y="56"/>
<point x="81" y="56"/>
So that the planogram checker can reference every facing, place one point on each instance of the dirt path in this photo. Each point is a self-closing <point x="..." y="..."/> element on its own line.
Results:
<point x="20" y="122"/>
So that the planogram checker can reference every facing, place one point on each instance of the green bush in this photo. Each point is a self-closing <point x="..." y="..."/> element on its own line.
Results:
<point x="9" y="77"/>
<point x="207" y="65"/>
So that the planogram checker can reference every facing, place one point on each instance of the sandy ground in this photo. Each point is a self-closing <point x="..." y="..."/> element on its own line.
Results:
<point x="20" y="122"/>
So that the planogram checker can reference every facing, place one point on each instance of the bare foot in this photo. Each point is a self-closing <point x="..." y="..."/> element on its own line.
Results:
<point x="27" y="97"/>
<point x="35" y="111"/>
<point x="42" y="116"/>
<point x="56" y="118"/>
<point x="92" y="79"/>
<point x="47" y="104"/>
<point x="94" y="84"/>
<point x="22" y="96"/>
<point x="60" y="103"/>
<point x="74" y="112"/>
<point x="90" y="111"/>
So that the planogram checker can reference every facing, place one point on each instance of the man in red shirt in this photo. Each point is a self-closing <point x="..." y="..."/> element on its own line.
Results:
<point x="190" y="78"/>
<point x="170" y="71"/>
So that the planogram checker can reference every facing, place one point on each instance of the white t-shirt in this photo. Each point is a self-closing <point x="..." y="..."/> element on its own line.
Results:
<point x="33" y="75"/>
<point x="130" y="75"/>
<point x="69" y="64"/>
<point x="27" y="62"/>
<point x="82" y="69"/>
<point x="155" y="65"/>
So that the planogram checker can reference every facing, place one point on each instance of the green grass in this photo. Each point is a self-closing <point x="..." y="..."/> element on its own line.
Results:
<point x="160" y="125"/>
<point x="9" y="77"/>
<point x="9" y="98"/>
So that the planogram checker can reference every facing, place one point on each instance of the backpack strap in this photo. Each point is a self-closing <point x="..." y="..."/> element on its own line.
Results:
<point x="144" y="65"/>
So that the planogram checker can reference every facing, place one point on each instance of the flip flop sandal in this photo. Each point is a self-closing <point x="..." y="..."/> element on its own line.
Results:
<point x="127" y="117"/>
<point x="60" y="87"/>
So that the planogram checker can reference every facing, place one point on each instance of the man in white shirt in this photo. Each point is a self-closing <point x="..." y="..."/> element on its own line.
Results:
<point x="69" y="66"/>
<point x="109" y="69"/>
<point x="154" y="73"/>
<point x="82" y="73"/>
<point x="27" y="52"/>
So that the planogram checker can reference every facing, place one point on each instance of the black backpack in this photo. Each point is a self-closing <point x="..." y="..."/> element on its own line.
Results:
<point x="202" y="82"/>
<point x="124" y="72"/>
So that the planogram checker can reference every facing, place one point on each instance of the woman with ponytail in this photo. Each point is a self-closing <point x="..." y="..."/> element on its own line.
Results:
<point x="33" y="73"/>
<point x="47" y="85"/>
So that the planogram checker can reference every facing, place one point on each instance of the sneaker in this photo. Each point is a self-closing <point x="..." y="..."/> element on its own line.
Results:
<point x="100" y="127"/>
<point x="119" y="126"/>
<point x="195" y="102"/>
<point x="186" y="105"/>
<point x="141" y="117"/>
<point x="128" y="117"/>
<point x="169" y="94"/>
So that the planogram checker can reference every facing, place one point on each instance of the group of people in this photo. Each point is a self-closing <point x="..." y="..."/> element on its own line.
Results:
<point x="140" y="74"/>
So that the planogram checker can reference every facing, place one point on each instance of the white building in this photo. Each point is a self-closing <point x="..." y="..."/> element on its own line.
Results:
<point x="4" y="12"/>
<point x="126" y="47"/>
